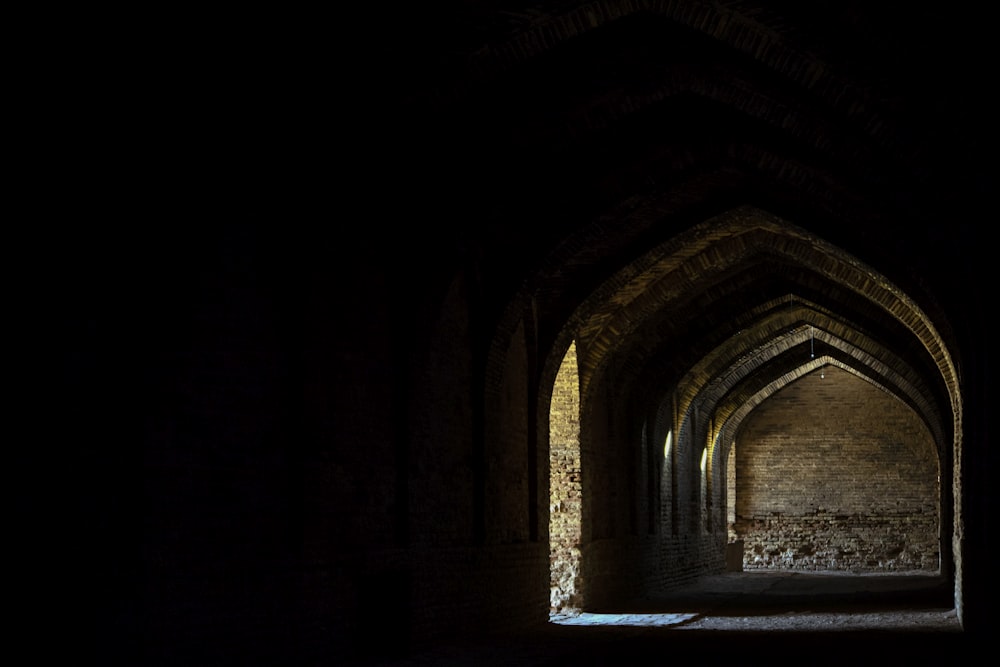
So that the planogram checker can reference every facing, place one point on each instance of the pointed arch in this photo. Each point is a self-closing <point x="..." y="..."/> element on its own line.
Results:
<point x="616" y="331"/>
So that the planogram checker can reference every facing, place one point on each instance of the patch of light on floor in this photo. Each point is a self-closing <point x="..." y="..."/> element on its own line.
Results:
<point x="645" y="620"/>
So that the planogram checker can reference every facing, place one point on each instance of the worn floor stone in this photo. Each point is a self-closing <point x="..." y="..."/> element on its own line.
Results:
<point x="748" y="617"/>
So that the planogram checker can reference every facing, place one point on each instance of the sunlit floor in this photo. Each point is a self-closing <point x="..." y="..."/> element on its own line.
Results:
<point x="789" y="601"/>
<point x="748" y="618"/>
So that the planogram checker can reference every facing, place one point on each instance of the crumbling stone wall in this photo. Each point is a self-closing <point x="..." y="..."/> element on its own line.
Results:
<point x="565" y="488"/>
<point x="835" y="474"/>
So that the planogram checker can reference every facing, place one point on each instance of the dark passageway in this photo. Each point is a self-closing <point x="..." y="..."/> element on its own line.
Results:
<point x="437" y="322"/>
<point x="832" y="618"/>
<point x="766" y="601"/>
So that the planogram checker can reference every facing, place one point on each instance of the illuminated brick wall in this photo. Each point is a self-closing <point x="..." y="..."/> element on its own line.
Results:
<point x="834" y="474"/>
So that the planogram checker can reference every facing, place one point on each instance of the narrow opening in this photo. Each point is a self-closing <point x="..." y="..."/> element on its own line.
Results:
<point x="565" y="488"/>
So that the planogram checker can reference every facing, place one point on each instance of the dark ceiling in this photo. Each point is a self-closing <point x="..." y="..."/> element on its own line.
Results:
<point x="551" y="145"/>
<point x="558" y="142"/>
<point x="862" y="121"/>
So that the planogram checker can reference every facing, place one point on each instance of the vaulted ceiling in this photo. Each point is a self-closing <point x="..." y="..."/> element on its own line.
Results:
<point x="696" y="191"/>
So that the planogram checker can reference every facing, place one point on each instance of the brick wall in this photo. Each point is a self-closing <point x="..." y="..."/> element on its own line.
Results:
<point x="506" y="471"/>
<point x="565" y="485"/>
<point x="441" y="476"/>
<point x="833" y="473"/>
<point x="632" y="548"/>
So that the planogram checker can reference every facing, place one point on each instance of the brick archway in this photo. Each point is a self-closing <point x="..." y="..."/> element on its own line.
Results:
<point x="614" y="322"/>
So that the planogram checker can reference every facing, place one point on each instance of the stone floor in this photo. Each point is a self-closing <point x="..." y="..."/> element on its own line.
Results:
<point x="745" y="618"/>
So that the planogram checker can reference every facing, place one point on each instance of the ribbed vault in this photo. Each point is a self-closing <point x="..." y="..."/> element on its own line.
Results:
<point x="653" y="312"/>
<point x="702" y="329"/>
<point x="655" y="322"/>
<point x="354" y="428"/>
<point x="680" y="271"/>
<point x="795" y="347"/>
<point x="708" y="200"/>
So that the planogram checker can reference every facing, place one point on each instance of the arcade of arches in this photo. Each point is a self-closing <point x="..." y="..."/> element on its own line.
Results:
<point x="453" y="315"/>
<point x="840" y="453"/>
